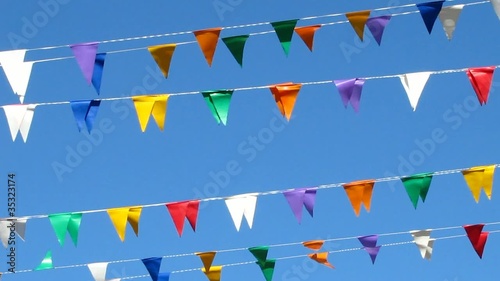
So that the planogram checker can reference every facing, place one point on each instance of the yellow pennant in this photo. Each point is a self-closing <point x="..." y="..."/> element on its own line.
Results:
<point x="162" y="54"/>
<point x="207" y="258"/>
<point x="145" y="106"/>
<point x="480" y="177"/>
<point x="214" y="273"/>
<point x="358" y="21"/>
<point x="120" y="216"/>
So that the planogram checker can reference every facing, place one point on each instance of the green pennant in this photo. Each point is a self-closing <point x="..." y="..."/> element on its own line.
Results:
<point x="236" y="44"/>
<point x="66" y="222"/>
<point x="46" y="262"/>
<point x="417" y="186"/>
<point x="284" y="30"/>
<point x="268" y="269"/>
<point x="260" y="253"/>
<point x="218" y="102"/>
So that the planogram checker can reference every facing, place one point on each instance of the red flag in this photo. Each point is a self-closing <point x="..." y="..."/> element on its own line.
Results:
<point x="477" y="237"/>
<point x="480" y="78"/>
<point x="184" y="209"/>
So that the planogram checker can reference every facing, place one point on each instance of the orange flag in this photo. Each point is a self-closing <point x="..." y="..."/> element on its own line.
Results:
<point x="321" y="258"/>
<point x="207" y="258"/>
<point x="285" y="96"/>
<point x="207" y="39"/>
<point x="307" y="34"/>
<point x="314" y="244"/>
<point x="162" y="54"/>
<point x="360" y="192"/>
<point x="358" y="21"/>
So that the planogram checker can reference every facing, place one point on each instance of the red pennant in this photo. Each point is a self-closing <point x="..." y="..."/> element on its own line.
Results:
<point x="480" y="78"/>
<point x="477" y="237"/>
<point x="181" y="210"/>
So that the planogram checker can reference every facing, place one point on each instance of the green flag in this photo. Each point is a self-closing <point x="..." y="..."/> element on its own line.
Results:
<point x="218" y="102"/>
<point x="417" y="186"/>
<point x="268" y="269"/>
<point x="260" y="253"/>
<point x="46" y="262"/>
<point x="284" y="30"/>
<point x="69" y="222"/>
<point x="236" y="44"/>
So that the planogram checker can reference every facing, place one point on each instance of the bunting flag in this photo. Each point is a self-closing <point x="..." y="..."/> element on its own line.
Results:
<point x="162" y="54"/>
<point x="207" y="39"/>
<point x="480" y="78"/>
<point x="184" y="210"/>
<point x="298" y="197"/>
<point x="120" y="216"/>
<point x="350" y="91"/>
<point x="284" y="31"/>
<point x="417" y="186"/>
<point x="260" y="253"/>
<point x="207" y="258"/>
<point x="422" y="239"/>
<point x="267" y="266"/>
<point x="218" y="101"/>
<point x="268" y="269"/>
<point x="360" y="193"/>
<point x="449" y="18"/>
<point x="358" y="21"/>
<point x="99" y="270"/>
<point x="429" y="12"/>
<point x="496" y="7"/>
<point x="236" y="45"/>
<point x="314" y="245"/>
<point x="321" y="258"/>
<point x="370" y="245"/>
<point x="19" y="118"/>
<point x="306" y="33"/>
<point x="477" y="237"/>
<point x="242" y="205"/>
<point x="85" y="55"/>
<point x="153" y="266"/>
<point x="155" y="105"/>
<point x="66" y="222"/>
<point x="214" y="273"/>
<point x="6" y="225"/>
<point x="414" y="84"/>
<point x="17" y="71"/>
<point x="98" y="70"/>
<point x="377" y="25"/>
<point x="46" y="262"/>
<point x="285" y="96"/>
<point x="85" y="112"/>
<point x="480" y="177"/>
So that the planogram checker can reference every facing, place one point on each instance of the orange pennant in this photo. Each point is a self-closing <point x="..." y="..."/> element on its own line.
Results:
<point x="321" y="258"/>
<point x="207" y="39"/>
<point x="285" y="96"/>
<point x="162" y="54"/>
<point x="360" y="192"/>
<point x="314" y="244"/>
<point x="358" y="21"/>
<point x="207" y="258"/>
<point x="307" y="34"/>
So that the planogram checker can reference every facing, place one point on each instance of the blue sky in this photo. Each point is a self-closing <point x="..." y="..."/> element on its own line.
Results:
<point x="323" y="142"/>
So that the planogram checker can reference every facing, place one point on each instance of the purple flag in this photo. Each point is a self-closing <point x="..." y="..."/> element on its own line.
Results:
<point x="350" y="91"/>
<point x="370" y="245"/>
<point x="85" y="55"/>
<point x="376" y="25"/>
<point x="298" y="197"/>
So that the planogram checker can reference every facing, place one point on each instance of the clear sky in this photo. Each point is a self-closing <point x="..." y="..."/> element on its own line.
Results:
<point x="323" y="143"/>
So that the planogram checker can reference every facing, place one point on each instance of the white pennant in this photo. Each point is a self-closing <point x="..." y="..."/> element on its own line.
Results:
<point x="242" y="205"/>
<point x="19" y="118"/>
<point x="496" y="7"/>
<point x="449" y="18"/>
<point x="414" y="84"/>
<point x="423" y="242"/>
<point x="98" y="271"/>
<point x="18" y="71"/>
<point x="20" y="229"/>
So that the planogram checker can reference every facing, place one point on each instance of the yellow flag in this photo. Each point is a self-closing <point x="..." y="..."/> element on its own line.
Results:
<point x="358" y="21"/>
<point x="162" y="54"/>
<point x="480" y="177"/>
<point x="207" y="258"/>
<point x="214" y="273"/>
<point x="156" y="105"/>
<point x="120" y="216"/>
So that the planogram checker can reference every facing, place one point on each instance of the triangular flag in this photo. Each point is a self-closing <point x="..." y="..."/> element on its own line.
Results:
<point x="422" y="239"/>
<point x="358" y="21"/>
<point x="321" y="258"/>
<point x="414" y="84"/>
<point x="429" y="12"/>
<point x="477" y="237"/>
<point x="284" y="30"/>
<point x="153" y="266"/>
<point x="480" y="78"/>
<point x="66" y="222"/>
<point x="19" y="118"/>
<point x="285" y="96"/>
<point x="162" y="54"/>
<point x="449" y="18"/>
<point x="376" y="25"/>
<point x="85" y="112"/>
<point x="120" y="216"/>
<point x="146" y="106"/>
<point x="370" y="245"/>
<point x="184" y="210"/>
<point x="350" y="91"/>
<point x="417" y="186"/>
<point x="496" y="7"/>
<point x="214" y="273"/>
<point x="85" y="55"/>
<point x="97" y="73"/>
<point x="207" y="258"/>
<point x="360" y="193"/>
<point x="99" y="270"/>
<point x="307" y="34"/>
<point x="236" y="45"/>
<point x="260" y="253"/>
<point x="298" y="197"/>
<point x="218" y="101"/>
<point x="480" y="177"/>
<point x="18" y="71"/>
<point x="46" y="262"/>
<point x="242" y="205"/>
<point x="314" y="244"/>
<point x="268" y="269"/>
<point x="207" y="39"/>
<point x="18" y="225"/>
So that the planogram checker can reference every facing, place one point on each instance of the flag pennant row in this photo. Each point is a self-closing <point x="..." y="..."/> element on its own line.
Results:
<point x="417" y="186"/>
<point x="207" y="40"/>
<point x="360" y="193"/>
<point x="98" y="271"/>
<point x="162" y="54"/>
<point x="477" y="237"/>
<point x="350" y="91"/>
<point x="153" y="267"/>
<point x="285" y="95"/>
<point x="236" y="45"/>
<point x="358" y="21"/>
<point x="85" y="112"/>
<point x="218" y="101"/>
<point x="422" y="239"/>
<point x="284" y="31"/>
<point x="17" y="71"/>
<point x="155" y="105"/>
<point x="242" y="206"/>
<point x="46" y="262"/>
<point x="377" y="25"/>
<point x="19" y="118"/>
<point x="480" y="177"/>
<point x="319" y="257"/>
<point x="449" y="18"/>
<point x="306" y="33"/>
<point x="370" y="245"/>
<point x="120" y="216"/>
<point x="301" y="197"/>
<point x="429" y="12"/>
<point x="266" y="265"/>
<point x="480" y="78"/>
<point x="6" y="225"/>
<point x="184" y="210"/>
<point x="66" y="222"/>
